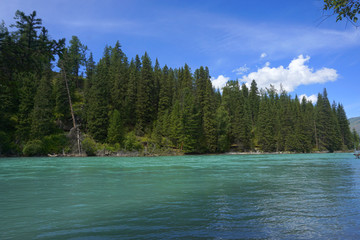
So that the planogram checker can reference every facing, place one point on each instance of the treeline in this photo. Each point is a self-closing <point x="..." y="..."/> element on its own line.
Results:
<point x="137" y="105"/>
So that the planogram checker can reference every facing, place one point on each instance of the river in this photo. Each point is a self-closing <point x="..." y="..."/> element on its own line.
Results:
<point x="295" y="196"/>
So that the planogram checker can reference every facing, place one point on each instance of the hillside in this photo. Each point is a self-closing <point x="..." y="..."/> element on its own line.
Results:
<point x="355" y="123"/>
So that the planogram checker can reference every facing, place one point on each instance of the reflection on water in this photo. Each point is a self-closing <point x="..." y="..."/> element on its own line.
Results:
<point x="307" y="196"/>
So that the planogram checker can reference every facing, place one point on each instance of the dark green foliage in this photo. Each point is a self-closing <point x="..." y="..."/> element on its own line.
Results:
<point x="27" y="95"/>
<point x="116" y="128"/>
<point x="223" y="129"/>
<point x="343" y="122"/>
<point x="326" y="124"/>
<point x="42" y="114"/>
<point x="131" y="143"/>
<point x="97" y="110"/>
<point x="266" y="125"/>
<point x="145" y="109"/>
<point x="34" y="148"/>
<point x="6" y="146"/>
<point x="254" y="99"/>
<point x="356" y="139"/>
<point x="343" y="9"/>
<point x="89" y="146"/>
<point x="118" y="75"/>
<point x="56" y="143"/>
<point x="131" y="94"/>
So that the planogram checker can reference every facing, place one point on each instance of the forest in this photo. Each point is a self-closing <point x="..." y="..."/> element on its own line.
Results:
<point x="55" y="99"/>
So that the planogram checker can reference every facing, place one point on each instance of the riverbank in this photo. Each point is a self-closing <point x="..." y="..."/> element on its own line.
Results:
<point x="171" y="152"/>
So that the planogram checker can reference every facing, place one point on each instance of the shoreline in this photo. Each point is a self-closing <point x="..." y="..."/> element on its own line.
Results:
<point x="140" y="154"/>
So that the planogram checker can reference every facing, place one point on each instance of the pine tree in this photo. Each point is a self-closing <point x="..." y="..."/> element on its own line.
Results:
<point x="191" y="122"/>
<point x="131" y="94"/>
<point x="245" y="119"/>
<point x="42" y="114"/>
<point x="327" y="137"/>
<point x="116" y="129"/>
<point x="345" y="132"/>
<point x="156" y="89"/>
<point x="165" y="93"/>
<point x="305" y="126"/>
<point x="118" y="77"/>
<point x="223" y="129"/>
<point x="176" y="126"/>
<point x="232" y="103"/>
<point x="27" y="94"/>
<point x="97" y="116"/>
<point x="266" y="125"/>
<point x="62" y="110"/>
<point x="77" y="58"/>
<point x="144" y="105"/>
<point x="254" y="100"/>
<point x="356" y="139"/>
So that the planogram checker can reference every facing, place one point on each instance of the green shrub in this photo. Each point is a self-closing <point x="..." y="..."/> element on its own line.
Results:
<point x="89" y="146"/>
<point x="55" y="143"/>
<point x="131" y="144"/>
<point x="34" y="148"/>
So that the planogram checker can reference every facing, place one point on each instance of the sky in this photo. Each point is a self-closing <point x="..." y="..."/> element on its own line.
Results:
<point x="289" y="44"/>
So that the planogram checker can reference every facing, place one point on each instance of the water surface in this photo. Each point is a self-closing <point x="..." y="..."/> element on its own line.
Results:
<point x="304" y="196"/>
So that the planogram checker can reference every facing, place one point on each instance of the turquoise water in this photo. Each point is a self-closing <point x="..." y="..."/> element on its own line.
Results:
<point x="305" y="196"/>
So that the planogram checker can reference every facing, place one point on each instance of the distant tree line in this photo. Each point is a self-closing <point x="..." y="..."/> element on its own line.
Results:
<point x="123" y="104"/>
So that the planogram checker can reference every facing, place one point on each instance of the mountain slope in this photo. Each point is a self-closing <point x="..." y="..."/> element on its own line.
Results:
<point x="355" y="123"/>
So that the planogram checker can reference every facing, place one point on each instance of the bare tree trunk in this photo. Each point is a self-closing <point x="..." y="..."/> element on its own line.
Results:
<point x="71" y="107"/>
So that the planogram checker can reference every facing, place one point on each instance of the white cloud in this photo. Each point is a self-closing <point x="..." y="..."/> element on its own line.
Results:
<point x="220" y="81"/>
<point x="296" y="74"/>
<point x="241" y="70"/>
<point x="263" y="55"/>
<point x="312" y="98"/>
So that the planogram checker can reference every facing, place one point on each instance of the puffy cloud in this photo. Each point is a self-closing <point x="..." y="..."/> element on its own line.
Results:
<point x="220" y="81"/>
<point x="263" y="55"/>
<point x="296" y="74"/>
<point x="241" y="70"/>
<point x="312" y="98"/>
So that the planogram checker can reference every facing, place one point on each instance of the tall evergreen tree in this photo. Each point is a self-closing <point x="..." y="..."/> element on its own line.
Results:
<point x="223" y="129"/>
<point x="116" y="129"/>
<point x="327" y="138"/>
<point x="345" y="132"/>
<point x="144" y="106"/>
<point x="27" y="95"/>
<point x="42" y="114"/>
<point x="97" y="117"/>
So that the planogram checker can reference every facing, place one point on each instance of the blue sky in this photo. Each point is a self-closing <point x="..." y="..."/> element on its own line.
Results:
<point x="276" y="42"/>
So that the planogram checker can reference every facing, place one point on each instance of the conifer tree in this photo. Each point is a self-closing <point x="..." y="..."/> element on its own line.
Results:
<point x="266" y="125"/>
<point x="254" y="101"/>
<point x="131" y="94"/>
<point x="27" y="94"/>
<point x="191" y="122"/>
<point x="116" y="129"/>
<point x="144" y="105"/>
<point x="223" y="129"/>
<point x="42" y="114"/>
<point x="165" y="93"/>
<point x="356" y="139"/>
<point x="245" y="119"/>
<point x="232" y="103"/>
<point x="98" y="102"/>
<point x="62" y="110"/>
<point x="345" y="132"/>
<point x="327" y="137"/>
<point x="209" y="123"/>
